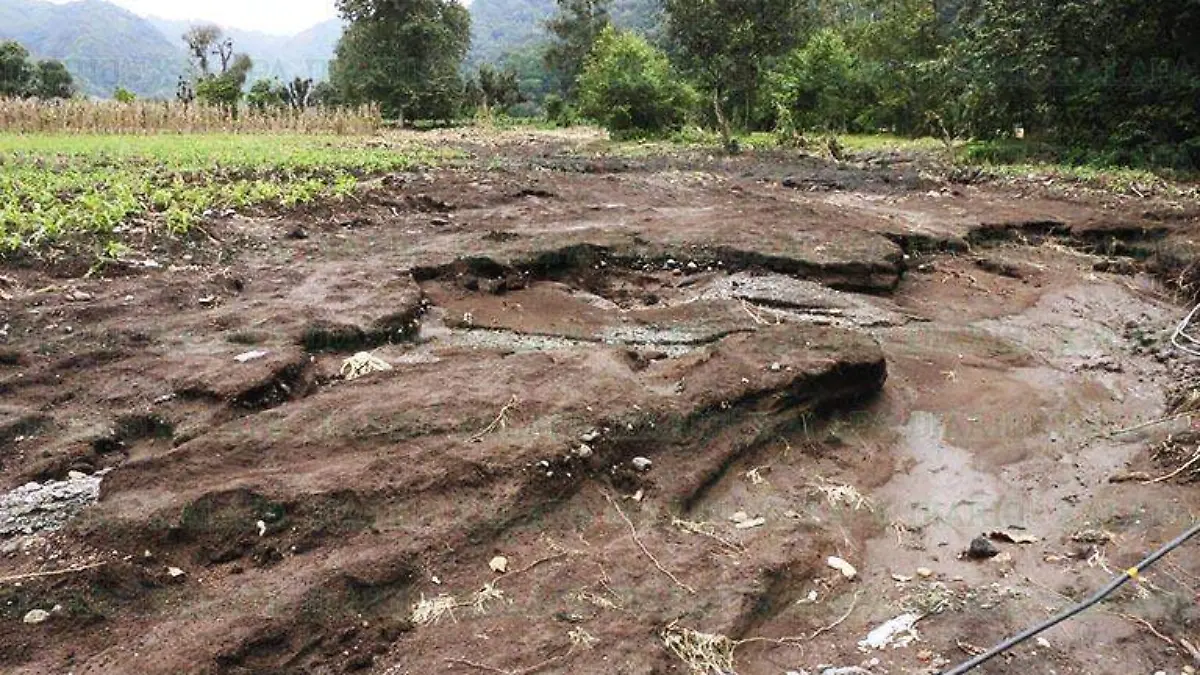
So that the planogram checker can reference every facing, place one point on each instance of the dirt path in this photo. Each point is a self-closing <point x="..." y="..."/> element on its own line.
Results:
<point x="633" y="408"/>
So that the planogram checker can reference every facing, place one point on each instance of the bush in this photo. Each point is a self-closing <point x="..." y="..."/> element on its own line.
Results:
<point x="813" y="88"/>
<point x="123" y="95"/>
<point x="558" y="111"/>
<point x="630" y="88"/>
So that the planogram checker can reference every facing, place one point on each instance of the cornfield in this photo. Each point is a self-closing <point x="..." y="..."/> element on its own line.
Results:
<point x="152" y="117"/>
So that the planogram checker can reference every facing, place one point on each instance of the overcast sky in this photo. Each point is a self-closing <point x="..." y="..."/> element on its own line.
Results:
<point x="283" y="17"/>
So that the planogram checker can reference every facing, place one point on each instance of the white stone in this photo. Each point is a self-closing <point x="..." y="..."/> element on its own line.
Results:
<point x="642" y="464"/>
<point x="36" y="616"/>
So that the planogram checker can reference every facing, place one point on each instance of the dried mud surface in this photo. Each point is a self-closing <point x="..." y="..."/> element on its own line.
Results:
<point x="632" y="403"/>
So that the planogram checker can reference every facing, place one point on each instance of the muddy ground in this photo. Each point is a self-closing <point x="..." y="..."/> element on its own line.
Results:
<point x="635" y="404"/>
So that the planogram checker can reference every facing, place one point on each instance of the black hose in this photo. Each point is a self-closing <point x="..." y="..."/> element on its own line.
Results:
<point x="1097" y="598"/>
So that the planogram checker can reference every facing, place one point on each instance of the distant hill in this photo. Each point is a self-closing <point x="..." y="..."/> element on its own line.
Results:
<point x="501" y="27"/>
<point x="103" y="45"/>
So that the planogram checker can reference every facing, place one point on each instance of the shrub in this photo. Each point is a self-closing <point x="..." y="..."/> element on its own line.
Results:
<point x="558" y="111"/>
<point x="630" y="88"/>
<point x="814" y="87"/>
<point x="123" y="95"/>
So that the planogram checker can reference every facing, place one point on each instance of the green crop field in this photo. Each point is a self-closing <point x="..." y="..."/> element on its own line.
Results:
<point x="55" y="188"/>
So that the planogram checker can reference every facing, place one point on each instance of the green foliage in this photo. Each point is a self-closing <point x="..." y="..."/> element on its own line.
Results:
<point x="728" y="45"/>
<point x="123" y="95"/>
<point x="20" y="77"/>
<point x="630" y="88"/>
<point x="494" y="90"/>
<point x="265" y="94"/>
<point x="52" y="81"/>
<point x="404" y="55"/>
<point x="559" y="112"/>
<point x="813" y="88"/>
<point x="573" y="32"/>
<point x="16" y="72"/>
<point x="55" y="187"/>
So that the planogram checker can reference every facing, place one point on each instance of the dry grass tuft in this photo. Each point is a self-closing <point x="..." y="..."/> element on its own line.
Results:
<point x="110" y="117"/>
<point x="427" y="612"/>
<point x="704" y="653"/>
<point x="842" y="496"/>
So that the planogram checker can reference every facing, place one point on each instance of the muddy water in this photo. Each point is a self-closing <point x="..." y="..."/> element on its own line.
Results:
<point x="965" y="497"/>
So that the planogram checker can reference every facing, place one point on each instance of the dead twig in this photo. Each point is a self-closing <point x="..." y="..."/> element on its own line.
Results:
<point x="637" y="540"/>
<point x="1191" y="649"/>
<point x="798" y="641"/>
<point x="54" y="573"/>
<point x="524" y="671"/>
<point x="1148" y="626"/>
<point x="1190" y="463"/>
<point x="706" y="530"/>
<point x="538" y="563"/>
<point x="500" y="421"/>
<point x="840" y="621"/>
<point x="753" y="315"/>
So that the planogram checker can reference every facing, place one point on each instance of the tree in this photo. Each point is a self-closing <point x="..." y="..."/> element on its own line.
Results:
<point x="297" y="94"/>
<point x="265" y="94"/>
<point x="812" y="89"/>
<point x="53" y="80"/>
<point x="16" y="72"/>
<point x="324" y="94"/>
<point x="200" y="41"/>
<point x="573" y="32"/>
<point x="729" y="44"/>
<point x="226" y="89"/>
<point x="630" y="87"/>
<point x="123" y="95"/>
<point x="498" y="89"/>
<point x="221" y="89"/>
<point x="404" y="55"/>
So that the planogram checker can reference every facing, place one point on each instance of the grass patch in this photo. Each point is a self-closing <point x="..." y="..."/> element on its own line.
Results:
<point x="55" y="187"/>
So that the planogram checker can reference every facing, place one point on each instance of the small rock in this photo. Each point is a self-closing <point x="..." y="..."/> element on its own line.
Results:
<point x="1099" y="537"/>
<point x="36" y="616"/>
<point x="584" y="451"/>
<point x="642" y="464"/>
<point x="207" y="300"/>
<point x="982" y="549"/>
<point x="590" y="436"/>
<point x="251" y="356"/>
<point x="776" y="367"/>
<point x="262" y="528"/>
<point x="842" y="566"/>
<point x="751" y="524"/>
<point x="175" y="572"/>
<point x="924" y="572"/>
<point x="499" y="564"/>
<point x="739" y="517"/>
<point x="1043" y="643"/>
<point x="1012" y="538"/>
<point x="76" y="475"/>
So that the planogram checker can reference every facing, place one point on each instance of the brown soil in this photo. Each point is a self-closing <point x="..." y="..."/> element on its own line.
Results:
<point x="959" y="355"/>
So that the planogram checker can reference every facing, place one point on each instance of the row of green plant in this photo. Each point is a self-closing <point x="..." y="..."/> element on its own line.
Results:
<point x="55" y="188"/>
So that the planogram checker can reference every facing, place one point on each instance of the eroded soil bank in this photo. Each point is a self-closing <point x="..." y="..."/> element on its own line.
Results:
<point x="634" y="408"/>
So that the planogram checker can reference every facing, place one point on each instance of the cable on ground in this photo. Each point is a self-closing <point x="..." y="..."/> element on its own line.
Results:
<point x="1132" y="573"/>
